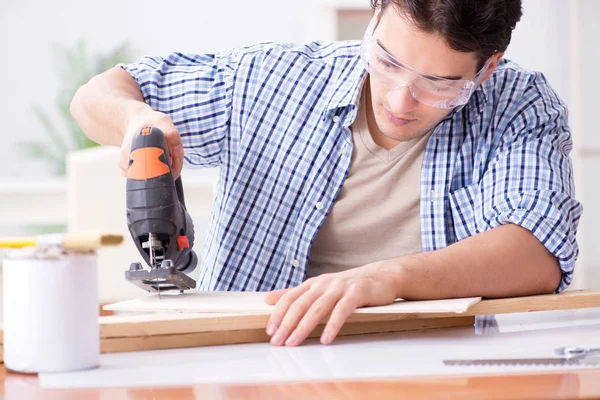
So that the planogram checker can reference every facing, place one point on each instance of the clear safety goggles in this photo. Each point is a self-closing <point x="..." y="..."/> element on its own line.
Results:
<point x="427" y="89"/>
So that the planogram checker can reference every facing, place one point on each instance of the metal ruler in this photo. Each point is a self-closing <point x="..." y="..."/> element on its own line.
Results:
<point x="565" y="356"/>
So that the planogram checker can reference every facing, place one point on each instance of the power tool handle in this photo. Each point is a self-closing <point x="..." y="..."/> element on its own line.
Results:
<point x="179" y="188"/>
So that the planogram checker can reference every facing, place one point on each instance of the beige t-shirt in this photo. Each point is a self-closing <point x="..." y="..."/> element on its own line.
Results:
<point x="376" y="215"/>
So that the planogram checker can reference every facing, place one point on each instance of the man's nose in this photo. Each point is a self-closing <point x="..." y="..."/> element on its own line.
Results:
<point x="401" y="100"/>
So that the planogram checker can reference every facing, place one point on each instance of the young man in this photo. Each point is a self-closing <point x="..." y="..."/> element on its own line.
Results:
<point x="416" y="164"/>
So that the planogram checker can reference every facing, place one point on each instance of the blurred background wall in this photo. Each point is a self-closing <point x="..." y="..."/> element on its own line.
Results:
<point x="46" y="48"/>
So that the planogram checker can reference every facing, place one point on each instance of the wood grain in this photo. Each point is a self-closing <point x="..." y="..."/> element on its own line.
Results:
<point x="564" y="301"/>
<point x="211" y="338"/>
<point x="173" y="323"/>
<point x="143" y="332"/>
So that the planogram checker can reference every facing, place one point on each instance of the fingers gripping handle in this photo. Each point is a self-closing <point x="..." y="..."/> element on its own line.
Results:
<point x="149" y="156"/>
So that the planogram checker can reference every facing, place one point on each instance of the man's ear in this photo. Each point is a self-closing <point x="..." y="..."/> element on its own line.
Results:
<point x="493" y="64"/>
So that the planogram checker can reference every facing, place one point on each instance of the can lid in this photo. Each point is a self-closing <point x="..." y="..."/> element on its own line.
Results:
<point x="46" y="253"/>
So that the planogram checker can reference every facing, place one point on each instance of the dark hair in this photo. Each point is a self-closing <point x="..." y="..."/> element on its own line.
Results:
<point x="480" y="26"/>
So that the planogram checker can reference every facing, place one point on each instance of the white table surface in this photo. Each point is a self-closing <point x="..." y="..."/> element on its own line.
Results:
<point x="402" y="354"/>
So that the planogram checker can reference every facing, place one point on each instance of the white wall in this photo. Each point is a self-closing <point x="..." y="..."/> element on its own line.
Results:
<point x="586" y="120"/>
<point x="541" y="42"/>
<point x="28" y="29"/>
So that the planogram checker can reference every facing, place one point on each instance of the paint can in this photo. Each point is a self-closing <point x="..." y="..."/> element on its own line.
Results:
<point x="50" y="307"/>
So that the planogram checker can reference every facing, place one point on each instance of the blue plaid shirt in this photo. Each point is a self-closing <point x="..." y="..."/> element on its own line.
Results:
<point x="276" y="119"/>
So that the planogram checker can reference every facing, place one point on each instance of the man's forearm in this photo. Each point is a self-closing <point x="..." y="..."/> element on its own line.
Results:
<point x="502" y="262"/>
<point x="104" y="106"/>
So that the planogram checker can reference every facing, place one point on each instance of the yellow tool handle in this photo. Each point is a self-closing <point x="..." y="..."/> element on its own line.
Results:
<point x="90" y="240"/>
<point x="68" y="241"/>
<point x="17" y="242"/>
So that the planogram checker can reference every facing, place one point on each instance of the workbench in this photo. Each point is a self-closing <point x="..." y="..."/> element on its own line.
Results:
<point x="365" y="366"/>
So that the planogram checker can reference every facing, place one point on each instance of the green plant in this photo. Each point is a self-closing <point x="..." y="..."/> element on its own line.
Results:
<point x="76" y="66"/>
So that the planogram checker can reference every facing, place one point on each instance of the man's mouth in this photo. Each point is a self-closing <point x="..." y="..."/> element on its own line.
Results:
<point x="398" y="121"/>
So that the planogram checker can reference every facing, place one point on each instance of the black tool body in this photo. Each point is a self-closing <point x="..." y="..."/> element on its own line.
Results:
<point x="157" y="218"/>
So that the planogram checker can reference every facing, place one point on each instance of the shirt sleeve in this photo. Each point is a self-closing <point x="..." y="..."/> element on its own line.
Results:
<point x="529" y="180"/>
<point x="196" y="91"/>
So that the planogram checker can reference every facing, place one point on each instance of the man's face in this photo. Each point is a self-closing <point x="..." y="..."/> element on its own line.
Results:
<point x="396" y="115"/>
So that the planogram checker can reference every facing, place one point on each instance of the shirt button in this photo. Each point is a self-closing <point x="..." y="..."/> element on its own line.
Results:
<point x="296" y="263"/>
<point x="336" y="118"/>
<point x="319" y="206"/>
<point x="344" y="150"/>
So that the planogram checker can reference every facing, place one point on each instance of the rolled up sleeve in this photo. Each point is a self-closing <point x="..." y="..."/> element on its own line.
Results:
<point x="196" y="91"/>
<point x="529" y="180"/>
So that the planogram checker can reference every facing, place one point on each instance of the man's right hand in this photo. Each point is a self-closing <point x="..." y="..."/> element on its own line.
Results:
<point x="164" y="123"/>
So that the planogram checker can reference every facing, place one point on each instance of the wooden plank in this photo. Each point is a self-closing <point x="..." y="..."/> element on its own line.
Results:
<point x="164" y="324"/>
<point x="211" y="338"/>
<point x="568" y="300"/>
<point x="254" y="303"/>
<point x="174" y="323"/>
<point x="152" y="341"/>
<point x="167" y="324"/>
<point x="160" y="330"/>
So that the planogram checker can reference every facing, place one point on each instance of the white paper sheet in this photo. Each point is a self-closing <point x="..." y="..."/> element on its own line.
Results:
<point x="401" y="354"/>
<point x="253" y="302"/>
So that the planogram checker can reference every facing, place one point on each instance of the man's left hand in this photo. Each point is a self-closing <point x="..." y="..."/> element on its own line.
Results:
<point x="300" y="309"/>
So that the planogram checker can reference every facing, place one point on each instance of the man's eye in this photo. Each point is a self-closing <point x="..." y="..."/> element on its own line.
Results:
<point x="445" y="89"/>
<point x="440" y="89"/>
<point x="386" y="64"/>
